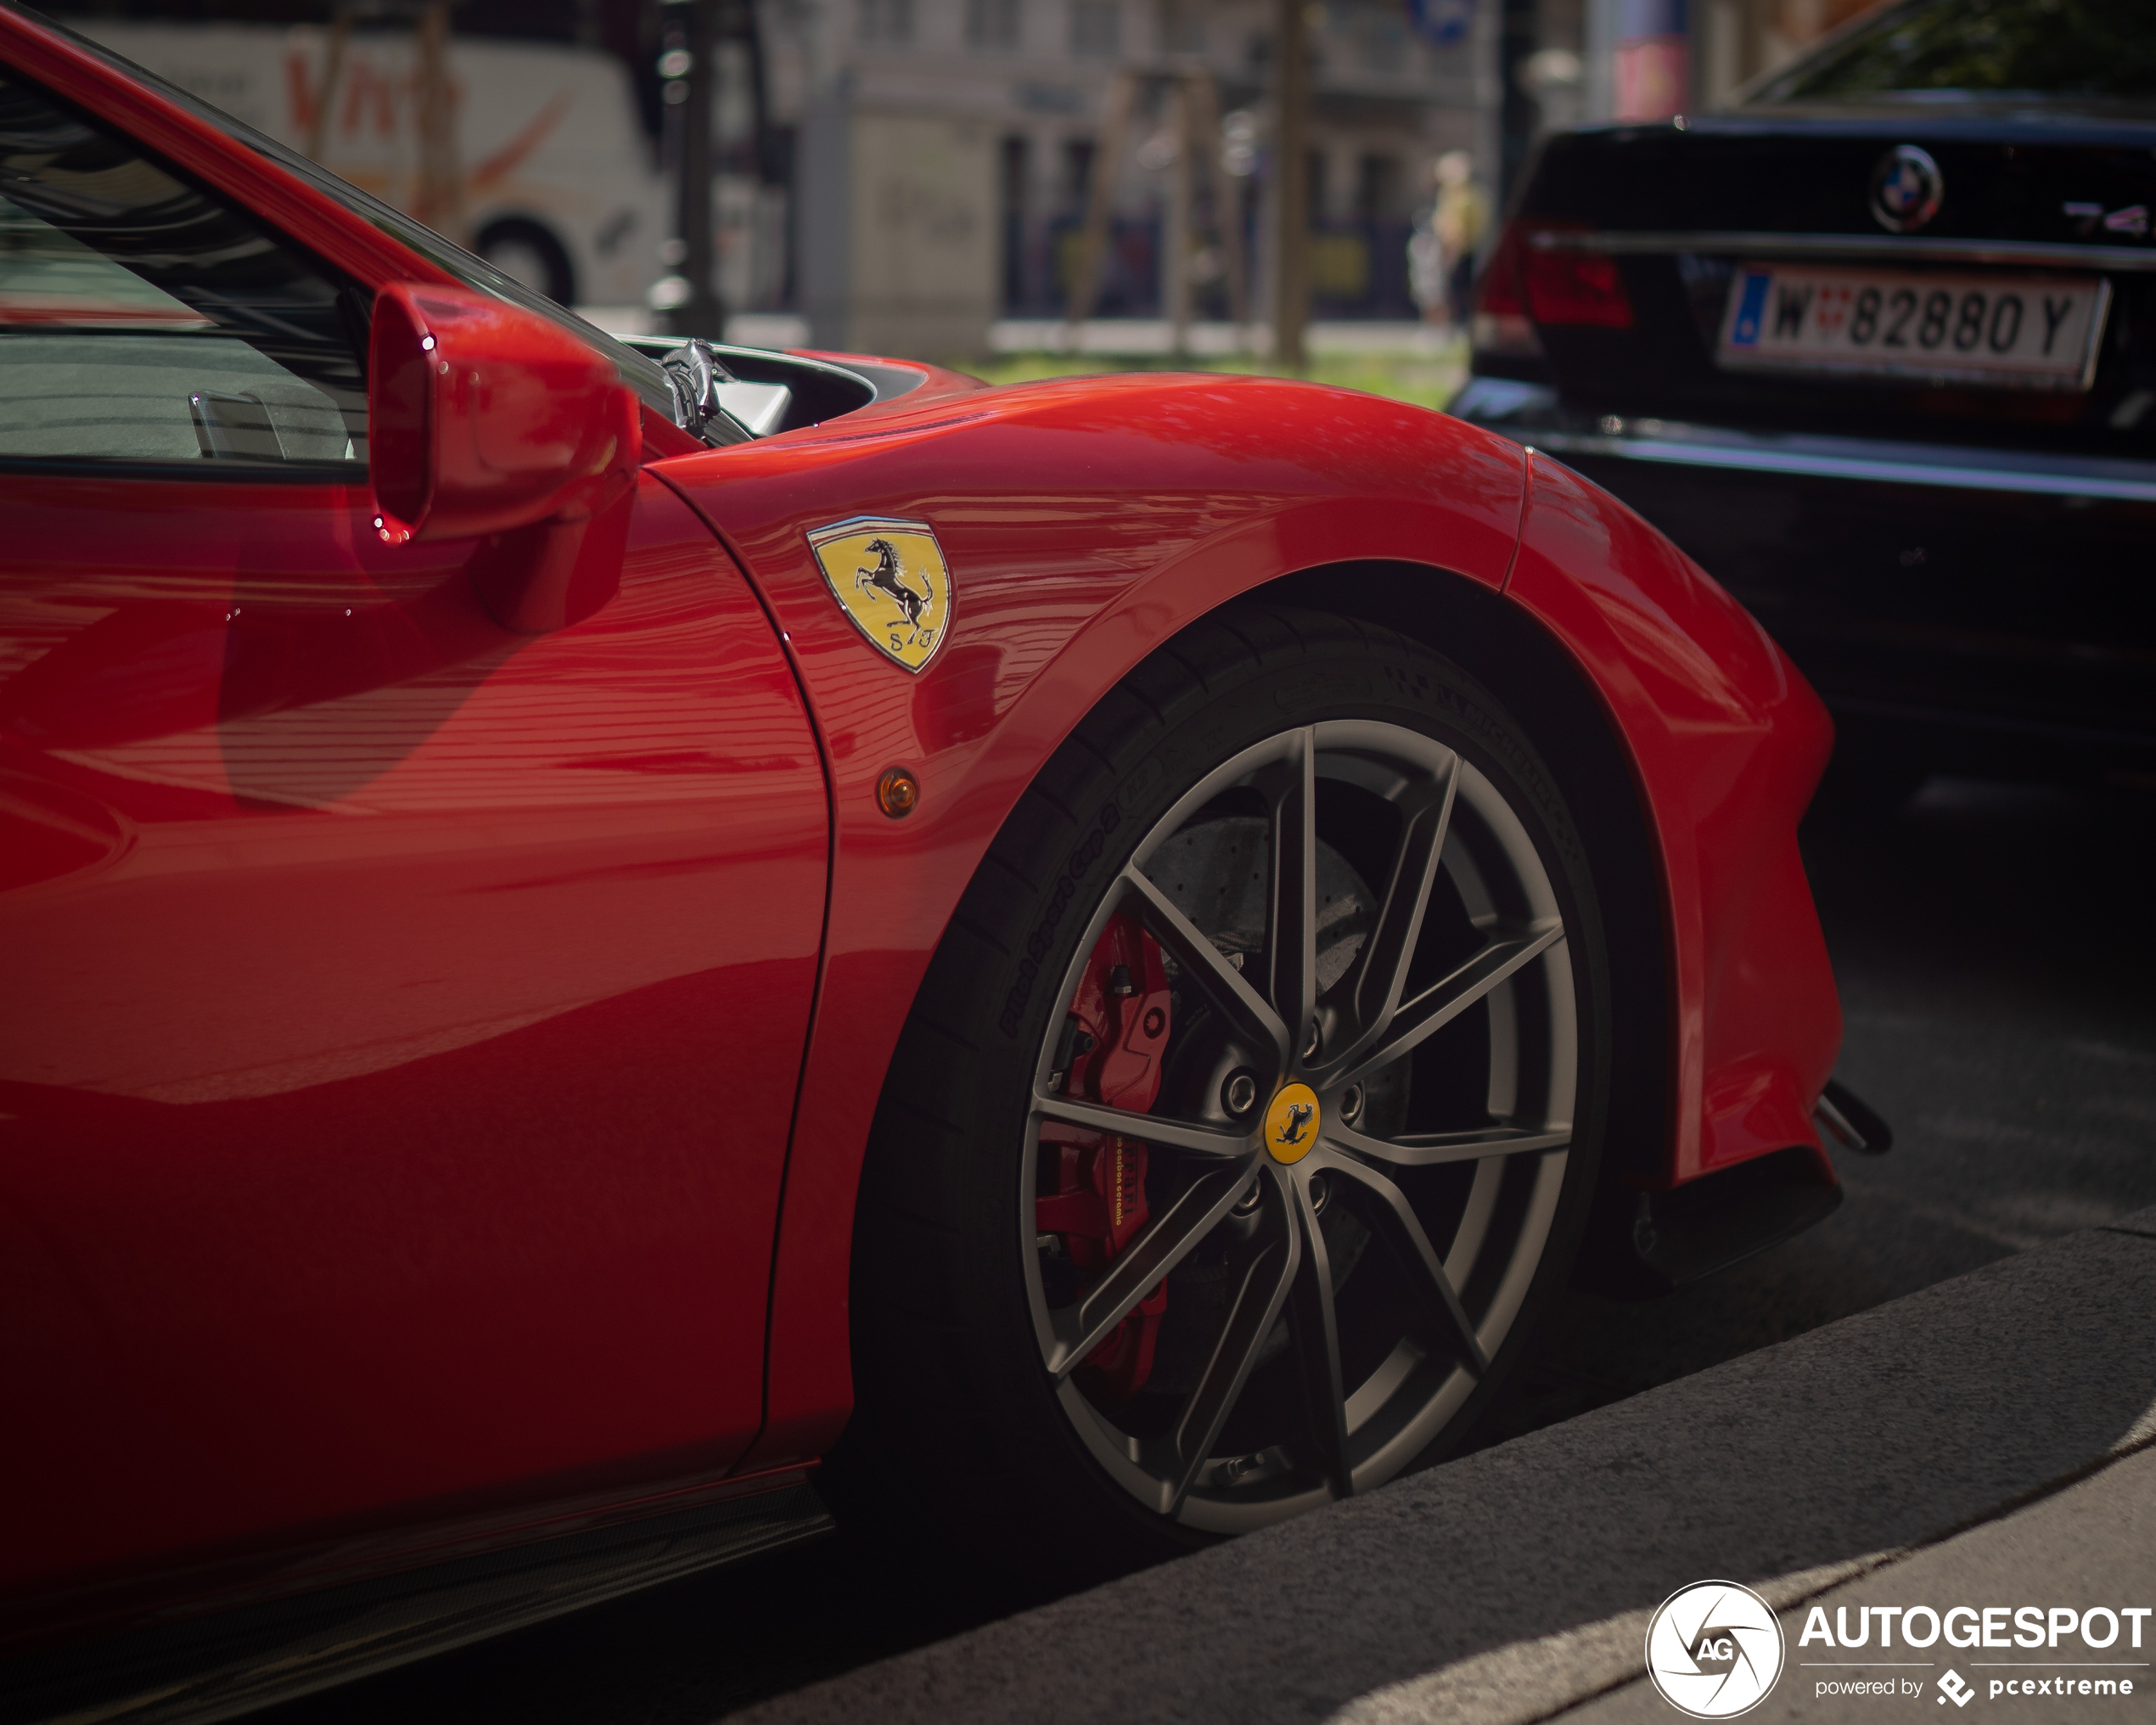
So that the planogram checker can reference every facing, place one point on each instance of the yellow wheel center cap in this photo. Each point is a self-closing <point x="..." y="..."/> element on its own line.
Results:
<point x="1291" y="1123"/>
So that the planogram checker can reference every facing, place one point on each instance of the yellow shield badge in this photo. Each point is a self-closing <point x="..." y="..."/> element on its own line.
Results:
<point x="891" y="578"/>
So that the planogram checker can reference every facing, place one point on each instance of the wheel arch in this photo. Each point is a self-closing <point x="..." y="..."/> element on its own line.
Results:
<point x="1505" y="648"/>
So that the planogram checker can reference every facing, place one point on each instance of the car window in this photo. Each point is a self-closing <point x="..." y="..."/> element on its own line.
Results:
<point x="639" y="371"/>
<point x="2089" y="49"/>
<point x="142" y="318"/>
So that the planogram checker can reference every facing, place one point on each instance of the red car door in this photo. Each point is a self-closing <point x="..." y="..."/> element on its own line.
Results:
<point x="403" y="1017"/>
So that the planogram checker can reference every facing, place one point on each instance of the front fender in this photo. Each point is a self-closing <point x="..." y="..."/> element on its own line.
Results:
<point x="1727" y="742"/>
<point x="1083" y="523"/>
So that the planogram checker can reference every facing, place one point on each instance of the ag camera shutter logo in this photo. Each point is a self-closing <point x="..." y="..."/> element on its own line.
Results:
<point x="1714" y="1650"/>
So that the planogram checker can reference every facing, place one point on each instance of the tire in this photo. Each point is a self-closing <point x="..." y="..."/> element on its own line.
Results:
<point x="531" y="255"/>
<point x="1027" y="1381"/>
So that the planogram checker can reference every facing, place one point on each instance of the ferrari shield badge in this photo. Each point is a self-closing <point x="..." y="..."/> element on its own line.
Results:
<point x="891" y="578"/>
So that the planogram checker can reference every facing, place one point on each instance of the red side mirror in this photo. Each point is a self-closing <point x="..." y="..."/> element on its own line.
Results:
<point x="485" y="419"/>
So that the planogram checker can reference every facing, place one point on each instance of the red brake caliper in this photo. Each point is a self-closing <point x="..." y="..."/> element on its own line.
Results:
<point x="1111" y="1046"/>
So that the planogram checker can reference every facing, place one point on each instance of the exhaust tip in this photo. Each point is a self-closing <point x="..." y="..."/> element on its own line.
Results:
<point x="1847" y="1119"/>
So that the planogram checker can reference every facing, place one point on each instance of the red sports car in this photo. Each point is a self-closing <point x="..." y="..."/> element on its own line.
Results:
<point x="582" y="919"/>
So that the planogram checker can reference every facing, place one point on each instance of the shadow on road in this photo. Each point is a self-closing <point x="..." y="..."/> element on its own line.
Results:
<point x="1993" y="946"/>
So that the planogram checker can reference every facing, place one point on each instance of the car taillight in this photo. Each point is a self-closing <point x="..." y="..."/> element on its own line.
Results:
<point x="1570" y="285"/>
<point x="1539" y="274"/>
<point x="1501" y="329"/>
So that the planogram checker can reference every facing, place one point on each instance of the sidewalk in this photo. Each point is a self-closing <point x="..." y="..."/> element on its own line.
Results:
<point x="1986" y="1440"/>
<point x="2094" y="1541"/>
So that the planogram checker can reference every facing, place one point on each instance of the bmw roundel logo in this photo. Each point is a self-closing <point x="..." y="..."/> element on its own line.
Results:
<point x="1906" y="187"/>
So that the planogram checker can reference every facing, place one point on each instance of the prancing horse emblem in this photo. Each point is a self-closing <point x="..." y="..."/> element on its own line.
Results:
<point x="1298" y="1114"/>
<point x="888" y="577"/>
<point x="891" y="578"/>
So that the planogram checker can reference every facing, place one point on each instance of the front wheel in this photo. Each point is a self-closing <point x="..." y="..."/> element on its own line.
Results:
<point x="1250" y="1106"/>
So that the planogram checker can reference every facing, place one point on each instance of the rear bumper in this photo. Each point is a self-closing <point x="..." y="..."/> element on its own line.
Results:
<point x="1532" y="414"/>
<point x="1979" y="610"/>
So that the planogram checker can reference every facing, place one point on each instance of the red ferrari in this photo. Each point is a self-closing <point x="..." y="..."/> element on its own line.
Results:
<point x="583" y="918"/>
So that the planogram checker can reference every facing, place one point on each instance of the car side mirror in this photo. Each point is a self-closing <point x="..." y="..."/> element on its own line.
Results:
<point x="485" y="420"/>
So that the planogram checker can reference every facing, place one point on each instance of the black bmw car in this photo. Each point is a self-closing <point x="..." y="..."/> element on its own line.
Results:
<point x="1877" y="348"/>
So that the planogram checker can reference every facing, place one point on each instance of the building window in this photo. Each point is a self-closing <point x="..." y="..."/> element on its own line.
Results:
<point x="1182" y="27"/>
<point x="1017" y="169"/>
<point x="1378" y="190"/>
<point x="1077" y="174"/>
<point x="1381" y="43"/>
<point x="1097" y="28"/>
<point x="886" y="20"/>
<point x="991" y="24"/>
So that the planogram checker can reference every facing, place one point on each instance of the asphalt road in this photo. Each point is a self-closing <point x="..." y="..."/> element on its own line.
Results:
<point x="1994" y="947"/>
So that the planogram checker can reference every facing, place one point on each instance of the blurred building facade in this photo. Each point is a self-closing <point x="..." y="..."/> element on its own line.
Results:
<point x="903" y="171"/>
<point x="900" y="173"/>
<point x="1646" y="59"/>
<point x="971" y="131"/>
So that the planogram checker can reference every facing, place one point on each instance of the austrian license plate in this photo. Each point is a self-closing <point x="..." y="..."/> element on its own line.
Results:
<point x="2018" y="332"/>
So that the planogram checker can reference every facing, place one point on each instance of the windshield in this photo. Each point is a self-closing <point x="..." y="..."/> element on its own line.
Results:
<point x="639" y="371"/>
<point x="2102" y="50"/>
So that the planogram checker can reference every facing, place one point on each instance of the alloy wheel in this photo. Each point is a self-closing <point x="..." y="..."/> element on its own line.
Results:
<point x="1344" y="958"/>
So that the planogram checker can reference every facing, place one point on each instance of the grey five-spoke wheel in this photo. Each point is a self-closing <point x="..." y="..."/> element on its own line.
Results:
<point x="1321" y="1000"/>
<point x="1250" y="1107"/>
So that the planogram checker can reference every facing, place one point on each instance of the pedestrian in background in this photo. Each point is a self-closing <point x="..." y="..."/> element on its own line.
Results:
<point x="1426" y="283"/>
<point x="1459" y="220"/>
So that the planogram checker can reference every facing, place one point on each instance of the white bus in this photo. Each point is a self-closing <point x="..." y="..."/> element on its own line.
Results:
<point x="558" y="185"/>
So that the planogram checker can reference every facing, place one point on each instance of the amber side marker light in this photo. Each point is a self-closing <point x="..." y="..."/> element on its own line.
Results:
<point x="898" y="793"/>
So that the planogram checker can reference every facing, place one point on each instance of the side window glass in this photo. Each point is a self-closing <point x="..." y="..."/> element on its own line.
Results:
<point x="142" y="318"/>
